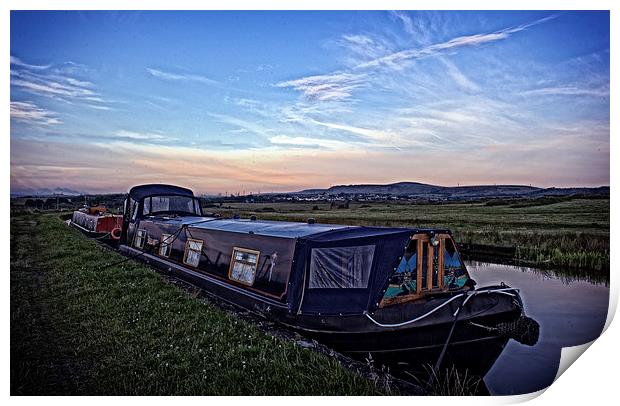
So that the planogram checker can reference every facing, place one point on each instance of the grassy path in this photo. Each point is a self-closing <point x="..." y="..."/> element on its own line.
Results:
<point x="80" y="329"/>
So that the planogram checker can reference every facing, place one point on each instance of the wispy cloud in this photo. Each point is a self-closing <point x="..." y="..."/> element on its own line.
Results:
<point x="335" y="86"/>
<point x="405" y="19"/>
<point x="420" y="28"/>
<point x="364" y="46"/>
<point x="366" y="133"/>
<point x="469" y="122"/>
<point x="568" y="91"/>
<point x="251" y="105"/>
<point x="141" y="136"/>
<point x="181" y="76"/>
<point x="80" y="83"/>
<point x="99" y="107"/>
<point x="310" y="142"/>
<point x="47" y="81"/>
<point x="340" y="85"/>
<point x="71" y="68"/>
<point x="395" y="59"/>
<point x="462" y="81"/>
<point x="119" y="138"/>
<point x="52" y="88"/>
<point x="30" y="113"/>
<point x="241" y="124"/>
<point x="18" y="62"/>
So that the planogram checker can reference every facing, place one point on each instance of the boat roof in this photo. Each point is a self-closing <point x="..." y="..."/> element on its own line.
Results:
<point x="283" y="229"/>
<point x="157" y="189"/>
<point x="269" y="228"/>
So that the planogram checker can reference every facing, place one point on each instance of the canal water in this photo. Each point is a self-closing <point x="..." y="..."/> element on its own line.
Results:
<point x="570" y="310"/>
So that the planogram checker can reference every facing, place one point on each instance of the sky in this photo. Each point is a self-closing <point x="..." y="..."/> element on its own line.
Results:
<point x="265" y="101"/>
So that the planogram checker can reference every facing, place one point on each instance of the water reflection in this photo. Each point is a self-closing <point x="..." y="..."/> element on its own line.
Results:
<point x="474" y="359"/>
<point x="567" y="275"/>
<point x="571" y="310"/>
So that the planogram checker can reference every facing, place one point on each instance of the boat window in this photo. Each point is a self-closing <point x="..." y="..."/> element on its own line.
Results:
<point x="140" y="238"/>
<point x="165" y="245"/>
<point x="193" y="252"/>
<point x="405" y="280"/>
<point x="146" y="206"/>
<point x="133" y="209"/>
<point x="341" y="267"/>
<point x="454" y="270"/>
<point x="424" y="270"/>
<point x="171" y="204"/>
<point x="243" y="265"/>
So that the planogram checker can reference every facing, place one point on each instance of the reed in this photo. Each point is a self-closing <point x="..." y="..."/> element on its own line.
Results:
<point x="448" y="381"/>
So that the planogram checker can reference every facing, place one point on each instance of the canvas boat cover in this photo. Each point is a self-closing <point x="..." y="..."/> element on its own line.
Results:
<point x="345" y="269"/>
<point x="139" y="192"/>
<point x="282" y="229"/>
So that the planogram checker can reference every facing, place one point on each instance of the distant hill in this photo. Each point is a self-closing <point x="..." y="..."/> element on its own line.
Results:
<point x="45" y="192"/>
<point x="416" y="189"/>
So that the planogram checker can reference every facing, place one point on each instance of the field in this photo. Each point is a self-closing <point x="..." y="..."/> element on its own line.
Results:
<point x="567" y="234"/>
<point x="78" y="327"/>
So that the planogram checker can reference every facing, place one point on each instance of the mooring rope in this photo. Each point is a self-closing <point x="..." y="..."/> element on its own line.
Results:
<point x="102" y="237"/>
<point x="469" y="296"/>
<point x="417" y="318"/>
<point x="175" y="235"/>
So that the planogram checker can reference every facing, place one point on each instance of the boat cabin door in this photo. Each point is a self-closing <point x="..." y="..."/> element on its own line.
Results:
<point x="130" y="212"/>
<point x="430" y="263"/>
<point x="430" y="267"/>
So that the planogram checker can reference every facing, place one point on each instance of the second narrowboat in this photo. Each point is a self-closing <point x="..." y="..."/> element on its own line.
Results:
<point x="97" y="222"/>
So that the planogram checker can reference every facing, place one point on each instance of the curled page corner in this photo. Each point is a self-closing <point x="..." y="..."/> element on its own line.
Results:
<point x="567" y="357"/>
<point x="522" y="398"/>
<point x="570" y="355"/>
<point x="613" y="305"/>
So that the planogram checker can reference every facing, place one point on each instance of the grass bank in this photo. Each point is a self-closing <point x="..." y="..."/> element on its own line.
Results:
<point x="572" y="233"/>
<point x="79" y="329"/>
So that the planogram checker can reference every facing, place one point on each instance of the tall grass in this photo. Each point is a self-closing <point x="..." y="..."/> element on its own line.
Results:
<point x="570" y="233"/>
<point x="448" y="381"/>
<point x="578" y="250"/>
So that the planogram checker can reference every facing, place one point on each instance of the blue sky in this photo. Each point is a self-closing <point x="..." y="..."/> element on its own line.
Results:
<point x="280" y="101"/>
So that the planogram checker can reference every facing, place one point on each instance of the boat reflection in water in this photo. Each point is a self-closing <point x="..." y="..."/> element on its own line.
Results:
<point x="472" y="360"/>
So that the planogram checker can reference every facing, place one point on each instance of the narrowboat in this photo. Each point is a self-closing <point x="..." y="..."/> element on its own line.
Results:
<point x="356" y="289"/>
<point x="97" y="222"/>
